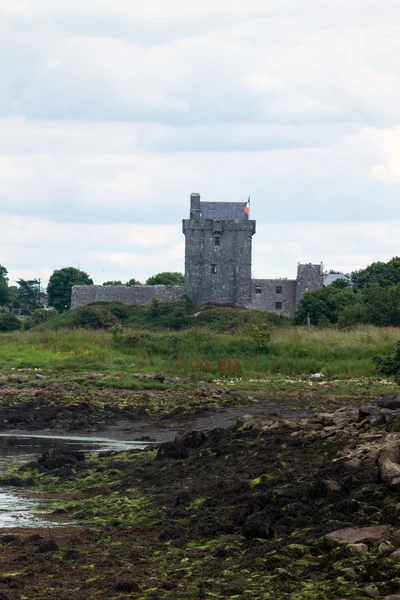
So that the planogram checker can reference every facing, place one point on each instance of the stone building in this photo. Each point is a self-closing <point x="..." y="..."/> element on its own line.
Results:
<point x="218" y="255"/>
<point x="218" y="252"/>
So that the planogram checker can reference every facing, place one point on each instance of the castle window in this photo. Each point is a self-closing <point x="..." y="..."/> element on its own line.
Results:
<point x="217" y="241"/>
<point x="279" y="289"/>
<point x="258" y="289"/>
<point x="213" y="269"/>
<point x="278" y="305"/>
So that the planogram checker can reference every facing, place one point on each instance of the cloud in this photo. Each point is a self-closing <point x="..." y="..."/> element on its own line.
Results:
<point x="112" y="114"/>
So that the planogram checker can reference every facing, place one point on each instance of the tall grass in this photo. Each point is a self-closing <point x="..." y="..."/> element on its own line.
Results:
<point x="199" y="352"/>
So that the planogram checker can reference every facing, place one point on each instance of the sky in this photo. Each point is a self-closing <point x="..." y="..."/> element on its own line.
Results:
<point x="113" y="112"/>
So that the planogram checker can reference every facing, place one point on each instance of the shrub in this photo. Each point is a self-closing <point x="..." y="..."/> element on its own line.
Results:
<point x="261" y="334"/>
<point x="389" y="365"/>
<point x="94" y="317"/>
<point x="9" y="322"/>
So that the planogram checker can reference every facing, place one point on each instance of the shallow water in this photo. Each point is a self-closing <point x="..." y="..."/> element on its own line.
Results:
<point x="17" y="511"/>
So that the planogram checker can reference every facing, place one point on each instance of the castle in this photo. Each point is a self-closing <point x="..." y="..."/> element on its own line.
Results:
<point x="218" y="254"/>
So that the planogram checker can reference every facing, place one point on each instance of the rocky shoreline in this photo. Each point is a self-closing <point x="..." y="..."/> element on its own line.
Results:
<point x="304" y="508"/>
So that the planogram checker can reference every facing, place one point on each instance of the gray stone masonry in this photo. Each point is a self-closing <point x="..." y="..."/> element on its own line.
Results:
<point x="136" y="294"/>
<point x="277" y="295"/>
<point x="309" y="277"/>
<point x="218" y="253"/>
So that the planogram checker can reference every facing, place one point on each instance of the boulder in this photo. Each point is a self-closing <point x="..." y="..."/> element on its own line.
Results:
<point x="385" y="548"/>
<point x="372" y="591"/>
<point x="317" y="377"/>
<point x="332" y="485"/>
<point x="358" y="548"/>
<point x="191" y="439"/>
<point x="389" y="464"/>
<point x="358" y="535"/>
<point x="354" y="464"/>
<point x="247" y="422"/>
<point x="395" y="556"/>
<point x="390" y="402"/>
<point x="174" y="450"/>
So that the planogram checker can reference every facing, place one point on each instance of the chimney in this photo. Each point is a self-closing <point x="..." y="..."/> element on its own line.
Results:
<point x="195" y="207"/>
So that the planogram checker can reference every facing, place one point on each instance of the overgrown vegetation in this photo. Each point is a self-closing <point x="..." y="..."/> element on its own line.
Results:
<point x="198" y="352"/>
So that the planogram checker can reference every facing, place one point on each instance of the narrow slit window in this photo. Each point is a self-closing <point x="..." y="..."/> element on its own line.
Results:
<point x="258" y="289"/>
<point x="279" y="289"/>
<point x="278" y="305"/>
<point x="213" y="269"/>
<point x="217" y="241"/>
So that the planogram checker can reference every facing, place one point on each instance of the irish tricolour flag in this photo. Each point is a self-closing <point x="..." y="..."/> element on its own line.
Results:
<point x="247" y="207"/>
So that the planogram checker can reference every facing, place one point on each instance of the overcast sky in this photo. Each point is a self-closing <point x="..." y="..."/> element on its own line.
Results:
<point x="113" y="112"/>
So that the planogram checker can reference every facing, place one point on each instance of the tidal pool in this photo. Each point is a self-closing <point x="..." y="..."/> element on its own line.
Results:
<point x="18" y="511"/>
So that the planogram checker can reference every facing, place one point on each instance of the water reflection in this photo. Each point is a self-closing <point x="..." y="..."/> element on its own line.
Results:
<point x="16" y="511"/>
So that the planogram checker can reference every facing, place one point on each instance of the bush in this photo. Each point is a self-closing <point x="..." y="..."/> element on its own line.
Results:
<point x="9" y="322"/>
<point x="389" y="365"/>
<point x="94" y="317"/>
<point x="261" y="335"/>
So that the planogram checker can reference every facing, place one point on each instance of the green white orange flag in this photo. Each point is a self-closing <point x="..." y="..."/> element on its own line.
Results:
<point x="247" y="207"/>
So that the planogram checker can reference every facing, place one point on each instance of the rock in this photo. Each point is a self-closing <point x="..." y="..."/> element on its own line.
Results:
<point x="257" y="526"/>
<point x="349" y="572"/>
<point x="366" y="412"/>
<point x="316" y="377"/>
<point x="372" y="591"/>
<point x="332" y="485"/>
<point x="395" y="556"/>
<point x="396" y="536"/>
<point x="354" y="464"/>
<point x="358" y="548"/>
<point x="39" y="376"/>
<point x="176" y="380"/>
<point x="389" y="465"/>
<point x="94" y="375"/>
<point x="390" y="402"/>
<point x="385" y="548"/>
<point x="160" y="377"/>
<point x="47" y="546"/>
<point x="247" y="422"/>
<point x="172" y="450"/>
<point x="358" y="535"/>
<point x="201" y="384"/>
<point x="392" y="597"/>
<point x="191" y="439"/>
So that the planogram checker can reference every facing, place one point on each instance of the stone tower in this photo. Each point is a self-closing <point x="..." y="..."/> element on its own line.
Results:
<point x="218" y="252"/>
<point x="309" y="277"/>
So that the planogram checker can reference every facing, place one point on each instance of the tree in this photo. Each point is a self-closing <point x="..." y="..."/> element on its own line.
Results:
<point x="383" y="274"/>
<point x="9" y="322"/>
<point x="113" y="283"/>
<point x="132" y="282"/>
<point x="4" y="289"/>
<point x="3" y="273"/>
<point x="382" y="305"/>
<point x="28" y="293"/>
<point x="168" y="278"/>
<point x="60" y="286"/>
<point x="323" y="306"/>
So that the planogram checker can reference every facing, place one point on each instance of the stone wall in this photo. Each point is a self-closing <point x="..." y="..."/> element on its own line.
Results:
<point x="276" y="295"/>
<point x="136" y="294"/>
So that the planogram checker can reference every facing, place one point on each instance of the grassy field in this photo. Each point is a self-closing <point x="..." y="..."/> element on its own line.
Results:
<point x="199" y="353"/>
